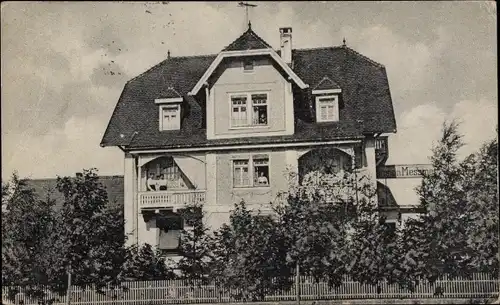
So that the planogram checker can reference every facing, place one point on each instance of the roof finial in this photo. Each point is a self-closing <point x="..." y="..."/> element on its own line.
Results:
<point x="343" y="42"/>
<point x="168" y="54"/>
<point x="249" y="25"/>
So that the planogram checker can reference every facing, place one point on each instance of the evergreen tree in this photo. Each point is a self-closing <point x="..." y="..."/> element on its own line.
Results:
<point x="194" y="246"/>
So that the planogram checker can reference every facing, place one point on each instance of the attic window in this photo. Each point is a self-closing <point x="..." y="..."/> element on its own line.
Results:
<point x="248" y="65"/>
<point x="327" y="108"/>
<point x="170" y="118"/>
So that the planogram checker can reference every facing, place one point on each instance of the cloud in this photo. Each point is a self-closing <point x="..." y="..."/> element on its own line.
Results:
<point x="62" y="152"/>
<point x="420" y="128"/>
<point x="407" y="62"/>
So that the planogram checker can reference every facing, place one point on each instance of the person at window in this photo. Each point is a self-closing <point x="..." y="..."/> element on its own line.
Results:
<point x="151" y="183"/>
<point x="262" y="180"/>
<point x="162" y="183"/>
<point x="262" y="118"/>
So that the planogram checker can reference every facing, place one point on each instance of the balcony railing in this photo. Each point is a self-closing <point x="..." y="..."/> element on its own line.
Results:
<point x="174" y="199"/>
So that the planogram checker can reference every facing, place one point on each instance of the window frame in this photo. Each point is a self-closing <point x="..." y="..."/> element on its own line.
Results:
<point x="244" y="63"/>
<point x="251" y="167"/>
<point x="249" y="105"/>
<point x="178" y="117"/>
<point x="248" y="166"/>
<point x="172" y="251"/>
<point x="335" y="103"/>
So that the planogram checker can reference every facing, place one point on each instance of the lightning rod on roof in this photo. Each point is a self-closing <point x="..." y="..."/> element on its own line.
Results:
<point x="246" y="5"/>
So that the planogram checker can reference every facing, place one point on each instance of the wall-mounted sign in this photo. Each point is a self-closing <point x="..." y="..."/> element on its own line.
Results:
<point x="403" y="170"/>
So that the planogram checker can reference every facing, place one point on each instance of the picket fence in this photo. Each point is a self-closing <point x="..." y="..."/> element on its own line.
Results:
<point x="480" y="286"/>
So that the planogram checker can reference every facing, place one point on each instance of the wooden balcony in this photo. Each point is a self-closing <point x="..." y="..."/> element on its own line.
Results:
<point x="170" y="199"/>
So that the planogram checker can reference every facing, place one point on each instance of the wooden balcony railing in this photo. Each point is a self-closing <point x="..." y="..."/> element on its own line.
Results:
<point x="174" y="199"/>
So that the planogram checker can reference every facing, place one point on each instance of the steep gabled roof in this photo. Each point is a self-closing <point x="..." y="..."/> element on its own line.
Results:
<point x="365" y="94"/>
<point x="249" y="40"/>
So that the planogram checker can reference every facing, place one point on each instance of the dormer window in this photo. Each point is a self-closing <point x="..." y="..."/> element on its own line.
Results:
<point x="248" y="65"/>
<point x="327" y="108"/>
<point x="170" y="117"/>
<point x="170" y="113"/>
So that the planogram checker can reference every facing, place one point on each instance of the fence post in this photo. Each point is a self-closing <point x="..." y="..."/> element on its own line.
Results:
<point x="297" y="282"/>
<point x="68" y="291"/>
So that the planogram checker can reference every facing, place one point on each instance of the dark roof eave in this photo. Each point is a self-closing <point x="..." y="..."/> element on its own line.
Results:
<point x="235" y="144"/>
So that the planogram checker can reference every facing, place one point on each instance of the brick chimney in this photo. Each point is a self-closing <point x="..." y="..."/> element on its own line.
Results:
<point x="286" y="44"/>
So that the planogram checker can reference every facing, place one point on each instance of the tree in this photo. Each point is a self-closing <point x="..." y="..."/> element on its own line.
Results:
<point x="372" y="247"/>
<point x="194" y="246"/>
<point x="328" y="222"/>
<point x="249" y="255"/>
<point x="481" y="175"/>
<point x="27" y="222"/>
<point x="142" y="263"/>
<point x="89" y="236"/>
<point x="458" y="235"/>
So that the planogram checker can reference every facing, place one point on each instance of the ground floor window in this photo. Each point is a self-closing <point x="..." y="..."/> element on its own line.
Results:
<point x="169" y="232"/>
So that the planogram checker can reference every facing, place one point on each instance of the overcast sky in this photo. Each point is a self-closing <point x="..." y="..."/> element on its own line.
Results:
<point x="64" y="66"/>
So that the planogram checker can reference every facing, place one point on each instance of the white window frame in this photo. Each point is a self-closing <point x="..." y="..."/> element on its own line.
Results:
<point x="178" y="117"/>
<point x="334" y="104"/>
<point x="251" y="166"/>
<point x="249" y="109"/>
<point x="249" y="171"/>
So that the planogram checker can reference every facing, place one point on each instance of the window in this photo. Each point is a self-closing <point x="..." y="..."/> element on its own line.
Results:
<point x="256" y="167"/>
<point x="261" y="171"/>
<point x="241" y="173"/>
<point x="170" y="117"/>
<point x="248" y="65"/>
<point x="242" y="117"/>
<point x="259" y="103"/>
<point x="169" y="230"/>
<point x="239" y="112"/>
<point x="327" y="108"/>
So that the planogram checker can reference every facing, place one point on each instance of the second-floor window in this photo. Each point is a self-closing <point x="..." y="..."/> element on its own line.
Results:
<point x="170" y="117"/>
<point x="249" y="110"/>
<point x="251" y="172"/>
<point x="327" y="108"/>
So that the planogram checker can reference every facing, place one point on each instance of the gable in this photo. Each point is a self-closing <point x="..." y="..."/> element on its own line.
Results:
<point x="249" y="40"/>
<point x="240" y="54"/>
